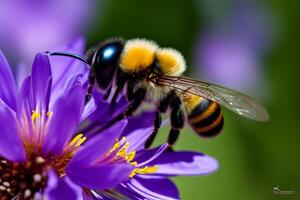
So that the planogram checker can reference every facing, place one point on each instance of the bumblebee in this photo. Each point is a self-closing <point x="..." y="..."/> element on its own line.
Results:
<point x="152" y="73"/>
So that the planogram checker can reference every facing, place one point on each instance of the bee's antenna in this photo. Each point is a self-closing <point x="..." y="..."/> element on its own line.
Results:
<point x="68" y="55"/>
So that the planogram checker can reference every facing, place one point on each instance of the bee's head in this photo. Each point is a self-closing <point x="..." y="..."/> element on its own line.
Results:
<point x="104" y="60"/>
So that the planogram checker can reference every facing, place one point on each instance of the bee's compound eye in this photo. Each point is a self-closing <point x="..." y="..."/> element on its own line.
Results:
<point x="106" y="62"/>
<point x="109" y="53"/>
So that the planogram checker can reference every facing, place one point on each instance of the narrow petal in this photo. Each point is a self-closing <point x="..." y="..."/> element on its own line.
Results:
<point x="145" y="187"/>
<point x="11" y="146"/>
<point x="26" y="101"/>
<point x="8" y="88"/>
<point x="98" y="177"/>
<point x="64" y="120"/>
<point x="62" y="188"/>
<point x="95" y="148"/>
<point x="41" y="72"/>
<point x="184" y="163"/>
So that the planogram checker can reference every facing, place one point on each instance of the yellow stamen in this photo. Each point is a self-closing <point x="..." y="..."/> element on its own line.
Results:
<point x="77" y="140"/>
<point x="82" y="140"/>
<point x="35" y="115"/>
<point x="123" y="151"/>
<point x="144" y="170"/>
<point x="115" y="147"/>
<point x="49" y="113"/>
<point x="130" y="156"/>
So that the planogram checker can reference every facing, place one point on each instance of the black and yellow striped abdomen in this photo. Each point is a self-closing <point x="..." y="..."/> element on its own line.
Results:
<point x="206" y="118"/>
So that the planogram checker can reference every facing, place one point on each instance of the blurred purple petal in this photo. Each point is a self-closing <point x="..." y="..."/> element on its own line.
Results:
<point x="100" y="176"/>
<point x="154" y="188"/>
<point x="64" y="120"/>
<point x="228" y="62"/>
<point x="98" y="145"/>
<point x="11" y="146"/>
<point x="62" y="188"/>
<point x="30" y="27"/>
<point x="8" y="89"/>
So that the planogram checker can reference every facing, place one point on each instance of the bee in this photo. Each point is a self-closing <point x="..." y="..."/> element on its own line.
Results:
<point x="152" y="73"/>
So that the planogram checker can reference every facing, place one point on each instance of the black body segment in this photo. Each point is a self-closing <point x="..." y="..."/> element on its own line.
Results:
<point x="206" y="118"/>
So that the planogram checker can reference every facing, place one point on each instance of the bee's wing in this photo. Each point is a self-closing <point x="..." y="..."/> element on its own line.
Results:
<point x="232" y="100"/>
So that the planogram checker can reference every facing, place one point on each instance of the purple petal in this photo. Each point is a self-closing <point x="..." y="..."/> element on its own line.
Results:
<point x="41" y="73"/>
<point x="62" y="188"/>
<point x="8" y="89"/>
<point x="11" y="146"/>
<point x="89" y="108"/>
<point x="145" y="157"/>
<point x="64" y="120"/>
<point x="93" y="195"/>
<point x="26" y="101"/>
<point x="65" y="87"/>
<point x="184" y="164"/>
<point x="145" y="187"/>
<point x="103" y="114"/>
<point x="63" y="67"/>
<point x="100" y="176"/>
<point x="143" y="120"/>
<point x="137" y="138"/>
<point x="96" y="147"/>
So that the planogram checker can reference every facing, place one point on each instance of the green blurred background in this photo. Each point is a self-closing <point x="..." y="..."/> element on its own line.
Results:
<point x="254" y="157"/>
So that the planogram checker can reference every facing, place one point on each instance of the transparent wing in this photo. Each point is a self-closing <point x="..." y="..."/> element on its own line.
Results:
<point x="232" y="100"/>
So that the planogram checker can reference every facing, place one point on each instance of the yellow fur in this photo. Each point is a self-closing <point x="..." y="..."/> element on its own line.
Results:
<point x="137" y="55"/>
<point x="170" y="62"/>
<point x="191" y="101"/>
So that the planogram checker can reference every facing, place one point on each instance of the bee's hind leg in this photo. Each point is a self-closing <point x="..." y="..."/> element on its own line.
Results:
<point x="163" y="106"/>
<point x="177" y="121"/>
<point x="157" y="123"/>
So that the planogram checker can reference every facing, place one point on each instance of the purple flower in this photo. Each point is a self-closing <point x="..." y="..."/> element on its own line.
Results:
<point x="32" y="26"/>
<point x="54" y="146"/>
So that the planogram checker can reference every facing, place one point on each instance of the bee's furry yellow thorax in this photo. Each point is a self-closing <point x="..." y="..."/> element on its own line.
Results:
<point x="138" y="55"/>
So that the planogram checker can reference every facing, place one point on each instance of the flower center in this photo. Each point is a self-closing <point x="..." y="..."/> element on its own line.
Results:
<point x="22" y="179"/>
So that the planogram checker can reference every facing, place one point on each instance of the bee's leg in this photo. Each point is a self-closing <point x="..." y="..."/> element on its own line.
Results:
<point x="107" y="93"/>
<point x="138" y="98"/>
<point x="163" y="106"/>
<point x="130" y="90"/>
<point x="165" y="103"/>
<point x="120" y="82"/>
<point x="157" y="123"/>
<point x="177" y="121"/>
<point x="90" y="87"/>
